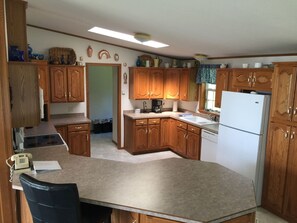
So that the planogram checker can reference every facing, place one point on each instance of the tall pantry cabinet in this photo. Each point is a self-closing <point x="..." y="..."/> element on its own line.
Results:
<point x="280" y="175"/>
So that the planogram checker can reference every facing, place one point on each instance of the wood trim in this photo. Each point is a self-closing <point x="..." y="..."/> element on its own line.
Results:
<point x="7" y="195"/>
<point x="119" y="98"/>
<point x="261" y="55"/>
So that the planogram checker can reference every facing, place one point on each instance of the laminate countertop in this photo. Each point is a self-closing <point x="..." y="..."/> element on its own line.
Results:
<point x="175" y="115"/>
<point x="177" y="189"/>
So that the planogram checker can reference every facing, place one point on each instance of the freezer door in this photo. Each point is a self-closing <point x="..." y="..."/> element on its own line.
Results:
<point x="243" y="153"/>
<point x="247" y="112"/>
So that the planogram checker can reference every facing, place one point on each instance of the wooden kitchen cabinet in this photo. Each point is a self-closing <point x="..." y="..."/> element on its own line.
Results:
<point x="24" y="93"/>
<point x="142" y="135"/>
<point x="172" y="82"/>
<point x="145" y="83"/>
<point x="79" y="139"/>
<point x="173" y="133"/>
<point x="165" y="133"/>
<point x="188" y="140"/>
<point x="284" y="103"/>
<point x="43" y="77"/>
<point x="16" y="25"/>
<point x="223" y="83"/>
<point x="188" y="86"/>
<point x="67" y="83"/>
<point x="257" y="79"/>
<point x="120" y="216"/>
<point x="153" y="219"/>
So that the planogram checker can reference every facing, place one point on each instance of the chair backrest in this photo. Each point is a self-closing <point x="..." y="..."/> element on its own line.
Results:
<point x="51" y="203"/>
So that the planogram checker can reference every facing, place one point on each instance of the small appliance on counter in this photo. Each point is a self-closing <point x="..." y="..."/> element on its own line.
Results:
<point x="157" y="106"/>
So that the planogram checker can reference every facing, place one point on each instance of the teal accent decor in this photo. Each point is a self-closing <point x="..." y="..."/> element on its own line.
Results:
<point x="207" y="73"/>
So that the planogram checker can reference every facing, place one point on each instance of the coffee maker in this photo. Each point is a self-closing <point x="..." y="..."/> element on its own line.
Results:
<point x="157" y="105"/>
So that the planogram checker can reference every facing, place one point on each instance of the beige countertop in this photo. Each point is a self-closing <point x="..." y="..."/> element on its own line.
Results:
<point x="210" y="127"/>
<point x="67" y="119"/>
<point x="177" y="189"/>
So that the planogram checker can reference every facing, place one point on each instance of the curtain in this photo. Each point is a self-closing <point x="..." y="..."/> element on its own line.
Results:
<point x="207" y="73"/>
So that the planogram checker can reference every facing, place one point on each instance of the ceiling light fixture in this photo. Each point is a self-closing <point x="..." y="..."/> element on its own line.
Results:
<point x="143" y="39"/>
<point x="200" y="57"/>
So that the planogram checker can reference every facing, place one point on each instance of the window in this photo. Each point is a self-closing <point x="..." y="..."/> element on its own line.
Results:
<point x="210" y="95"/>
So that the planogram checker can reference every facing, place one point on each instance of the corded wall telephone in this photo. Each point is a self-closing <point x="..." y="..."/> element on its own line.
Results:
<point x="21" y="160"/>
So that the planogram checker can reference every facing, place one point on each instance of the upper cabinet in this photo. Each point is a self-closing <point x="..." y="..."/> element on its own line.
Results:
<point x="25" y="105"/>
<point x="172" y="82"/>
<point x="145" y="83"/>
<point x="188" y="86"/>
<point x="67" y="83"/>
<point x="223" y="83"/>
<point x="258" y="79"/>
<point x="16" y="25"/>
<point x="284" y="102"/>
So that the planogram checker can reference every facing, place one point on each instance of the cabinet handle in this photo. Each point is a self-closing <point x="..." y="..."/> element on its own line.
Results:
<point x="180" y="125"/>
<point x="295" y="111"/>
<point x="185" y="135"/>
<point x="69" y="94"/>
<point x="39" y="76"/>
<point x="87" y="137"/>
<point x="292" y="135"/>
<point x="287" y="134"/>
<point x="65" y="95"/>
<point x="78" y="127"/>
<point x="140" y="122"/>
<point x="149" y="132"/>
<point x="289" y="110"/>
<point x="145" y="131"/>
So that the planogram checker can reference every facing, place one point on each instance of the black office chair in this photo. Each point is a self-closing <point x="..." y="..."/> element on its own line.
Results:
<point x="59" y="203"/>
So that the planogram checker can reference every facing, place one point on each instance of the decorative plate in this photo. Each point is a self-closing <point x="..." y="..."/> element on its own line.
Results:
<point x="116" y="57"/>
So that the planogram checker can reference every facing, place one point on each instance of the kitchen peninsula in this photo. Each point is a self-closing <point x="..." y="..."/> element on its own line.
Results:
<point x="173" y="189"/>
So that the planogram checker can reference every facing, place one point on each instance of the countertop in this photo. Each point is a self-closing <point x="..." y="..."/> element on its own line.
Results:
<point x="177" y="189"/>
<point x="210" y="127"/>
<point x="45" y="128"/>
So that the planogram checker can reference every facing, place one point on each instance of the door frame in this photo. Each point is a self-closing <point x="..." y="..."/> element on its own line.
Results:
<point x="119" y="98"/>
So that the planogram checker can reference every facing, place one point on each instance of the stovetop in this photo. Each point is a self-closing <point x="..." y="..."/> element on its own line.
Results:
<point x="43" y="140"/>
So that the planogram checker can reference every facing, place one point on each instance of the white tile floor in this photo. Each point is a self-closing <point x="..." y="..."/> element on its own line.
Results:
<point x="102" y="147"/>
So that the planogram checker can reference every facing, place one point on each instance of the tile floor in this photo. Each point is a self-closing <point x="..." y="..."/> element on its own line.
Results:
<point x="102" y="147"/>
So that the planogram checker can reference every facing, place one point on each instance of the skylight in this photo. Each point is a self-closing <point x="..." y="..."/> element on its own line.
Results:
<point x="126" y="37"/>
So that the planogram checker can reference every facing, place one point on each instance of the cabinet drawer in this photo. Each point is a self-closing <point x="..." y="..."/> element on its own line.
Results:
<point x="78" y="127"/>
<point x="141" y="122"/>
<point x="181" y="125"/>
<point x="153" y="121"/>
<point x="194" y="129"/>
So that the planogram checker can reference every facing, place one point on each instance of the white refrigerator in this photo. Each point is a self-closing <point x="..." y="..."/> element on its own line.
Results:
<point x="242" y="135"/>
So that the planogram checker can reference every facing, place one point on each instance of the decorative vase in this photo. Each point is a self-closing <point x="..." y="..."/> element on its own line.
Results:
<point x="138" y="62"/>
<point x="156" y="62"/>
<point x="89" y="51"/>
<point x="13" y="53"/>
<point x="30" y="51"/>
<point x="21" y="56"/>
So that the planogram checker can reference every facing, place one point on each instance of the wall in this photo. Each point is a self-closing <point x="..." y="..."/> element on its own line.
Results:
<point x="100" y="92"/>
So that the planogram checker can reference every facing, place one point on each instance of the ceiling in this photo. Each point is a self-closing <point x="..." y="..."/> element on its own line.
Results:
<point x="216" y="28"/>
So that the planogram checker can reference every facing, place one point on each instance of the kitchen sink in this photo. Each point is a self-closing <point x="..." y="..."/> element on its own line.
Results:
<point x="198" y="120"/>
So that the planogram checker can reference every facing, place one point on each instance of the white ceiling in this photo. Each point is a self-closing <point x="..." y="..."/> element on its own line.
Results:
<point x="217" y="28"/>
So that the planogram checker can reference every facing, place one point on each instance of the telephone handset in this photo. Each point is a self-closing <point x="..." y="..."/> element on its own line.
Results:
<point x="22" y="160"/>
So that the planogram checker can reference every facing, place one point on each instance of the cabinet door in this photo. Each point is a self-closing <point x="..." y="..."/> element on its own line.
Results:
<point x="275" y="167"/>
<point x="78" y="143"/>
<point x="188" y="87"/>
<point x="63" y="132"/>
<point x="139" y="83"/>
<point x="181" y="146"/>
<point x="156" y="84"/>
<point x="153" y="137"/>
<point x="75" y="79"/>
<point x="165" y="133"/>
<point x="173" y="133"/>
<point x="242" y="78"/>
<point x="290" y="204"/>
<point x="141" y="138"/>
<point x="284" y="82"/>
<point x="294" y="112"/>
<point x="193" y="146"/>
<point x="262" y="80"/>
<point x="58" y="84"/>
<point x="222" y="81"/>
<point x="119" y="216"/>
<point x="172" y="83"/>
<point x="25" y="108"/>
<point x="44" y="81"/>
<point x="152" y="219"/>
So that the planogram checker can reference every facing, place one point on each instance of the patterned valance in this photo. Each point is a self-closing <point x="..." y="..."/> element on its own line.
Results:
<point x="207" y="73"/>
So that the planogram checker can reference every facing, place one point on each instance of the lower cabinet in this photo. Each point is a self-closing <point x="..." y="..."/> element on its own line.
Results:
<point x="119" y="216"/>
<point x="165" y="133"/>
<point x="188" y="140"/>
<point x="142" y="135"/>
<point x="77" y="137"/>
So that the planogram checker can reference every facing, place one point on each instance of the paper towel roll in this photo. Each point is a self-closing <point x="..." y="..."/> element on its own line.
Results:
<point x="174" y="108"/>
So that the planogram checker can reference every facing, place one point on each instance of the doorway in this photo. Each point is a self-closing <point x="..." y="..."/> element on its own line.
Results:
<point x="103" y="82"/>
